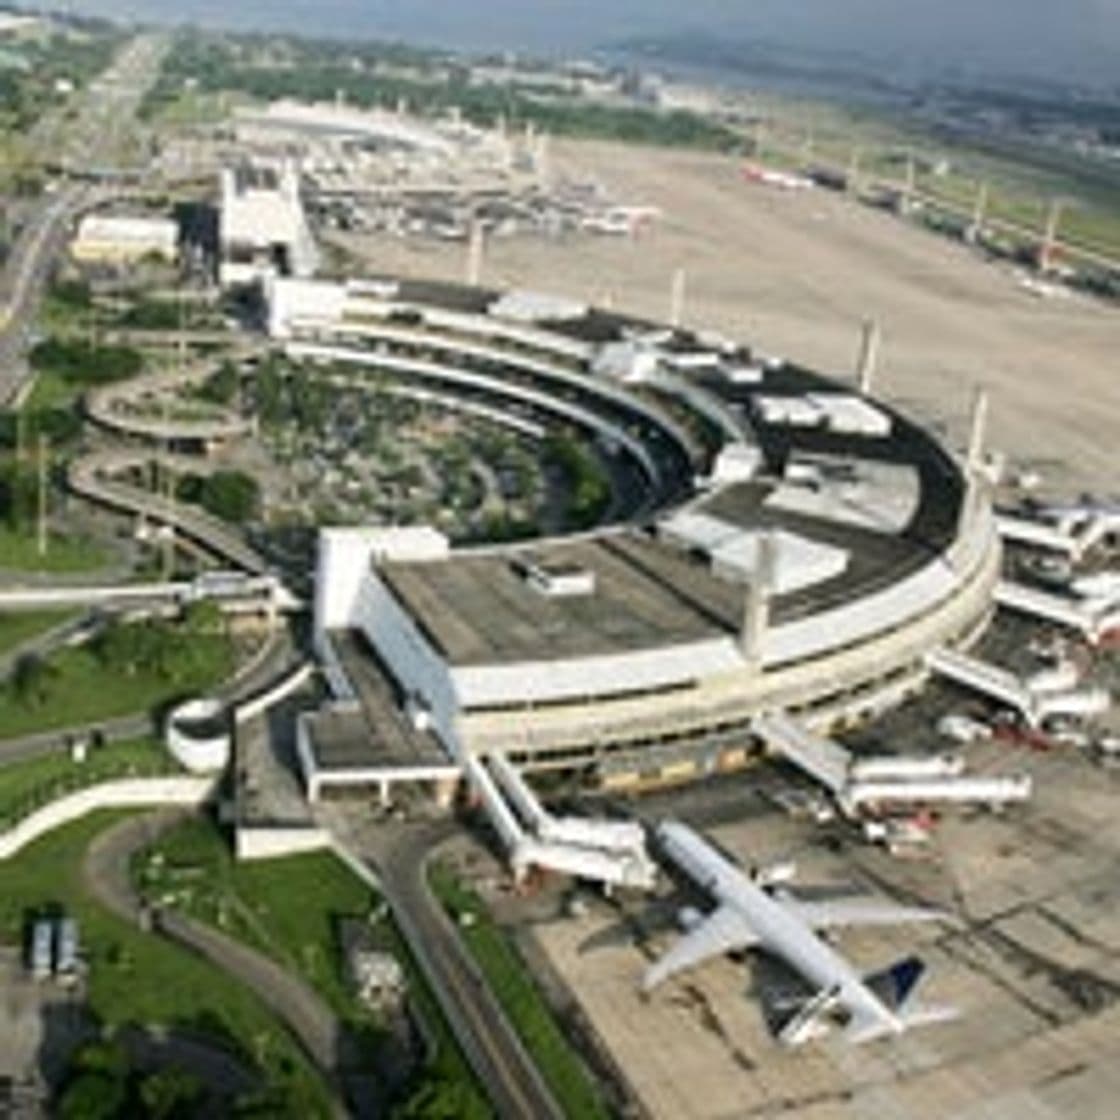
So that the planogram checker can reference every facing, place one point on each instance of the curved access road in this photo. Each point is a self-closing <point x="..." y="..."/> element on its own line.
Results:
<point x="113" y="406"/>
<point x="105" y="870"/>
<point x="92" y="477"/>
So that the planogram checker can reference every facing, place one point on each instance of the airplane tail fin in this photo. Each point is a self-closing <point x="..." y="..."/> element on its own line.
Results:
<point x="894" y="985"/>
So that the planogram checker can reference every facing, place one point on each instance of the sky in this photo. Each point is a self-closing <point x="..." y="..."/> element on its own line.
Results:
<point x="1056" y="38"/>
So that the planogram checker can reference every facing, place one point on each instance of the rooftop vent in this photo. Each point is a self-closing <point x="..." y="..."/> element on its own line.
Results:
<point x="557" y="580"/>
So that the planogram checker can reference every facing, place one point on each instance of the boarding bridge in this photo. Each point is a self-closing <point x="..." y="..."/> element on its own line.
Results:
<point x="859" y="784"/>
<point x="1037" y="534"/>
<point x="1073" y="534"/>
<point x="983" y="790"/>
<point x="1046" y="605"/>
<point x="511" y="834"/>
<point x="524" y="801"/>
<point x="822" y="759"/>
<point x="611" y="867"/>
<point x="984" y="677"/>
<point x="618" y="837"/>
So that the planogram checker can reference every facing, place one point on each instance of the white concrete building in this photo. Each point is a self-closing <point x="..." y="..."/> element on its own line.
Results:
<point x="659" y="629"/>
<point x="263" y="231"/>
<point x="122" y="239"/>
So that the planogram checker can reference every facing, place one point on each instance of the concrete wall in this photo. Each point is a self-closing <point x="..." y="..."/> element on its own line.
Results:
<point x="273" y="843"/>
<point x="416" y="665"/>
<point x="126" y="793"/>
<point x="285" y="687"/>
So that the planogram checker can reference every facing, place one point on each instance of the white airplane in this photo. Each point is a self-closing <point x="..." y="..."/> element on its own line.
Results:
<point x="748" y="915"/>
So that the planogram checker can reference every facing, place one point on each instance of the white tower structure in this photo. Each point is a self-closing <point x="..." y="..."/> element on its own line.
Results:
<point x="756" y="610"/>
<point x="868" y="356"/>
<point x="474" y="254"/>
<point x="676" y="298"/>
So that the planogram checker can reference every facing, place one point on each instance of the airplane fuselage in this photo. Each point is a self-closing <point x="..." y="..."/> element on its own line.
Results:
<point x="778" y="930"/>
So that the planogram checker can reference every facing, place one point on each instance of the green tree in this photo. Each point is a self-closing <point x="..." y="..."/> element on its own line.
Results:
<point x="221" y="386"/>
<point x="93" y="1096"/>
<point x="79" y="362"/>
<point x="19" y="494"/>
<point x="170" y="1094"/>
<point x="132" y="647"/>
<point x="98" y="1084"/>
<point x="203" y="617"/>
<point x="439" y="1098"/>
<point x="231" y="495"/>
<point x="31" y="680"/>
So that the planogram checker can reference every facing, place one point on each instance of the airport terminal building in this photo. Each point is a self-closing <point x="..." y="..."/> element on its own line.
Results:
<point x="804" y="556"/>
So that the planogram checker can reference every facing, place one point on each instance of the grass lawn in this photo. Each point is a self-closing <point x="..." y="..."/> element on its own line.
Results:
<point x="82" y="689"/>
<point x="20" y="552"/>
<point x="137" y="977"/>
<point x="26" y="786"/>
<point x="574" y="1088"/>
<point x="15" y="629"/>
<point x="255" y="902"/>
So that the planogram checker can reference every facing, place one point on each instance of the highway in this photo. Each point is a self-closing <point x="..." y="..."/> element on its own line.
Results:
<point x="399" y="861"/>
<point x="111" y="100"/>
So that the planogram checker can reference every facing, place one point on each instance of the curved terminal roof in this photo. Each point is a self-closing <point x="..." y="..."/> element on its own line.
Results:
<point x="868" y="505"/>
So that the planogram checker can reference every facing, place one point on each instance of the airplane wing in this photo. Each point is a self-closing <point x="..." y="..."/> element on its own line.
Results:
<point x="723" y="931"/>
<point x="838" y="913"/>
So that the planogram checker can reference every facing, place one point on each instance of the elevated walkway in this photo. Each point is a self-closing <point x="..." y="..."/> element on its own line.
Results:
<point x="91" y="477"/>
<point x="989" y="680"/>
<point x="1089" y="617"/>
<point x="249" y="593"/>
<point x="862" y="784"/>
<point x="823" y="760"/>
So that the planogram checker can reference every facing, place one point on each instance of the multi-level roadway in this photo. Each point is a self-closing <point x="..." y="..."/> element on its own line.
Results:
<point x="92" y="476"/>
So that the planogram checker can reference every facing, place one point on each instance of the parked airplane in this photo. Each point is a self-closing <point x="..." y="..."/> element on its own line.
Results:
<point x="752" y="913"/>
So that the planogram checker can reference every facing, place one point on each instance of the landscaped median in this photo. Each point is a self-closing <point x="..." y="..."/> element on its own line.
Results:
<point x="509" y="979"/>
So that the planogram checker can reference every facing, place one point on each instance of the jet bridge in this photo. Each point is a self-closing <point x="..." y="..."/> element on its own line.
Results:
<point x="822" y="759"/>
<point x="1034" y="704"/>
<point x="538" y="845"/>
<point x="1074" y="532"/>
<point x="859" y="783"/>
<point x="982" y="676"/>
<point x="1090" y="617"/>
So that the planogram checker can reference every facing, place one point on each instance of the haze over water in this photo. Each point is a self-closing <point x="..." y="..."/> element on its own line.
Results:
<point x="1074" y="41"/>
